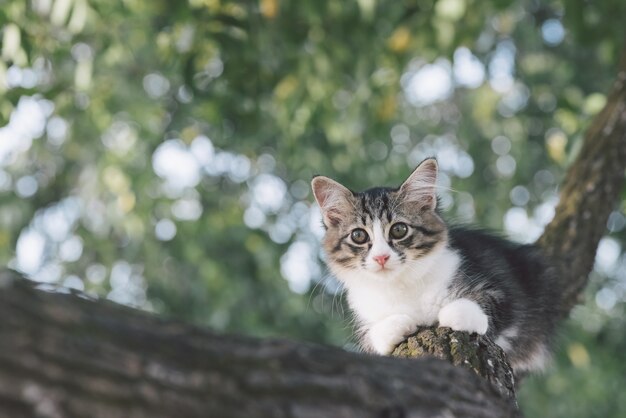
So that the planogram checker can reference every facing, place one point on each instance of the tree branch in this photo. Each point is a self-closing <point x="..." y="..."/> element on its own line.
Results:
<point x="62" y="355"/>
<point x="471" y="351"/>
<point x="589" y="193"/>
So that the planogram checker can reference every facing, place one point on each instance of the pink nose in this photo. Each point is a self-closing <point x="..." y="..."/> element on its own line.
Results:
<point x="381" y="259"/>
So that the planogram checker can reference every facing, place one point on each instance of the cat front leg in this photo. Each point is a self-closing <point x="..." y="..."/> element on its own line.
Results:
<point x="464" y="315"/>
<point x="387" y="333"/>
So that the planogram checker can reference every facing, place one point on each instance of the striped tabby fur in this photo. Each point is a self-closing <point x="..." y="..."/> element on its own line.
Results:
<point x="403" y="266"/>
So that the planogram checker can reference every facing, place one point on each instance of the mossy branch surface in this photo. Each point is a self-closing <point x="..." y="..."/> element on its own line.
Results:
<point x="470" y="351"/>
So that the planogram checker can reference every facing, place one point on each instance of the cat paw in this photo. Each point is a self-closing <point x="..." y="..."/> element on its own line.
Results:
<point x="464" y="315"/>
<point x="386" y="334"/>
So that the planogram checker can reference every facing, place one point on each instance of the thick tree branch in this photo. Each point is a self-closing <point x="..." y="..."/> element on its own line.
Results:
<point x="66" y="356"/>
<point x="589" y="193"/>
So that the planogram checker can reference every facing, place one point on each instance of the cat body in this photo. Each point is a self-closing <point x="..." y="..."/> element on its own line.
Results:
<point x="403" y="267"/>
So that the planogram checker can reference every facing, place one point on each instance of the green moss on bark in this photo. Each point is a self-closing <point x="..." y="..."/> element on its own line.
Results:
<point x="472" y="351"/>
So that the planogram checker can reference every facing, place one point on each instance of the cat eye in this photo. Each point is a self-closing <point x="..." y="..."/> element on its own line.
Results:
<point x="359" y="236"/>
<point x="398" y="230"/>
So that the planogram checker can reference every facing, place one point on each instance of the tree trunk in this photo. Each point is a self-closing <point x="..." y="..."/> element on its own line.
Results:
<point x="62" y="355"/>
<point x="65" y="356"/>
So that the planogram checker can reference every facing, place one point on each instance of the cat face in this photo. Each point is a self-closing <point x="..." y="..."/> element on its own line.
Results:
<point x="381" y="232"/>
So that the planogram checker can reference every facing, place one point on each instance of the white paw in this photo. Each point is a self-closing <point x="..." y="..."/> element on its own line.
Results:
<point x="385" y="335"/>
<point x="464" y="315"/>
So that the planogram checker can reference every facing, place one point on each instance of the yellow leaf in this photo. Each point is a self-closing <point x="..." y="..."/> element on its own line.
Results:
<point x="556" y="142"/>
<point x="286" y="87"/>
<point x="399" y="39"/>
<point x="578" y="355"/>
<point x="189" y="133"/>
<point x="387" y="108"/>
<point x="269" y="8"/>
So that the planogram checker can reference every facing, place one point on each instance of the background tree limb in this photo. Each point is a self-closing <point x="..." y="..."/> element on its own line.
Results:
<point x="589" y="193"/>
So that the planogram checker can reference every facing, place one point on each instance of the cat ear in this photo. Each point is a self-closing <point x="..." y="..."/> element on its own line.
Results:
<point x="420" y="186"/>
<point x="333" y="198"/>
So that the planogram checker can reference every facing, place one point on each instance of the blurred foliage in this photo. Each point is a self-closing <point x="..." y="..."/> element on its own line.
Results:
<point x="158" y="153"/>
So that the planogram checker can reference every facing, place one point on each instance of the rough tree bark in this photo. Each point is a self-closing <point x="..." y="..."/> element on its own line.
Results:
<point x="66" y="356"/>
<point x="62" y="355"/>
<point x="589" y="193"/>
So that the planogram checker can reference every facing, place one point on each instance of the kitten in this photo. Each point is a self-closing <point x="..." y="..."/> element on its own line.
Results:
<point x="403" y="267"/>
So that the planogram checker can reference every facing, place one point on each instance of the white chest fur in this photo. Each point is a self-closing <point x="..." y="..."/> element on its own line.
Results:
<point x="419" y="289"/>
